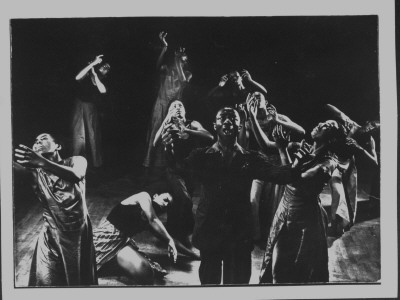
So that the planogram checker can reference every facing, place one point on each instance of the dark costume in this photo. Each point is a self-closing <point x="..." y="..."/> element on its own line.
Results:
<point x="223" y="221"/>
<point x="86" y="131"/>
<point x="64" y="253"/>
<point x="298" y="232"/>
<point x="122" y="223"/>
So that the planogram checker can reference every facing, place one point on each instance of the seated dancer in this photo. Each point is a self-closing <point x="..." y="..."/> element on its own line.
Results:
<point x="263" y="121"/>
<point x="64" y="253"/>
<point x="113" y="237"/>
<point x="174" y="76"/>
<point x="86" y="129"/>
<point x="223" y="222"/>
<point x="188" y="133"/>
<point x="297" y="250"/>
<point x="344" y="180"/>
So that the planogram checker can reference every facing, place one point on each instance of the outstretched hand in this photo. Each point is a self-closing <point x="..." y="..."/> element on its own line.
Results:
<point x="280" y="136"/>
<point x="162" y="35"/>
<point x="172" y="252"/>
<point x="29" y="158"/>
<point x="251" y="105"/>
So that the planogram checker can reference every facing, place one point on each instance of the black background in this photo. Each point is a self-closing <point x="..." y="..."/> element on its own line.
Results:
<point x="304" y="62"/>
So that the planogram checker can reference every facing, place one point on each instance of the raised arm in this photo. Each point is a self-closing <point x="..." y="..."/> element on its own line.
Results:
<point x="263" y="141"/>
<point x="157" y="225"/>
<point x="100" y="86"/>
<point x="368" y="152"/>
<point x="85" y="70"/>
<point x="29" y="158"/>
<point x="162" y="36"/>
<point x="287" y="123"/>
<point x="255" y="85"/>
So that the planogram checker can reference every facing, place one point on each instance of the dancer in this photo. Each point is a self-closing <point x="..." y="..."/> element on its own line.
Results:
<point x="263" y="121"/>
<point x="64" y="253"/>
<point x="344" y="180"/>
<point x="113" y="238"/>
<point x="86" y="129"/>
<point x="174" y="76"/>
<point x="188" y="134"/>
<point x="223" y="222"/>
<point x="297" y="250"/>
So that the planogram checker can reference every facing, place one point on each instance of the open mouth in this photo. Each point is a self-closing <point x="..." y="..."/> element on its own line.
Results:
<point x="228" y="130"/>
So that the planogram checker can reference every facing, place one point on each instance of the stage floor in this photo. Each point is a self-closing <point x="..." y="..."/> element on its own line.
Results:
<point x="353" y="257"/>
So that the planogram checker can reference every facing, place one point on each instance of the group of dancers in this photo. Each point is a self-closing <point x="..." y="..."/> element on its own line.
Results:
<point x="258" y="181"/>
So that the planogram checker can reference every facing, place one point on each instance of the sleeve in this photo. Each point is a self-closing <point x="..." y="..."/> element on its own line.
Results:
<point x="194" y="162"/>
<point x="262" y="168"/>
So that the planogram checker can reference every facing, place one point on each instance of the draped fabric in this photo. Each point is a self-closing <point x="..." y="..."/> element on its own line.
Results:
<point x="64" y="253"/>
<point x="171" y="89"/>
<point x="297" y="249"/>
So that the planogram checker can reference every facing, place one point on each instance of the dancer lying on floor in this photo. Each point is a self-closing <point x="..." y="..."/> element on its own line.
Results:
<point x="113" y="237"/>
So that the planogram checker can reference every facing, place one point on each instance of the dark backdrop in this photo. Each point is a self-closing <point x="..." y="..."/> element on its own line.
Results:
<point x="304" y="62"/>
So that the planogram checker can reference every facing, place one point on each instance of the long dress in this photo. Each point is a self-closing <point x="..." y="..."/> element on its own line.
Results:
<point x="297" y="249"/>
<point x="85" y="123"/>
<point x="64" y="253"/>
<point x="171" y="88"/>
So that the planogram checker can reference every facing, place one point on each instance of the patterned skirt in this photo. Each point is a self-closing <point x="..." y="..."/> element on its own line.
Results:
<point x="108" y="241"/>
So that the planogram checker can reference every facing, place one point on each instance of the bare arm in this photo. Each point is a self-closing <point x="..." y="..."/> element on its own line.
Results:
<point x="255" y="85"/>
<point x="199" y="131"/>
<point x="32" y="159"/>
<point x="162" y="35"/>
<point x="100" y="86"/>
<point x="262" y="139"/>
<point x="289" y="124"/>
<point x="157" y="225"/>
<point x="86" y="69"/>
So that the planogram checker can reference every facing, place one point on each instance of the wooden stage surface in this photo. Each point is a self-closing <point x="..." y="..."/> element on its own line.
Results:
<point x="354" y="257"/>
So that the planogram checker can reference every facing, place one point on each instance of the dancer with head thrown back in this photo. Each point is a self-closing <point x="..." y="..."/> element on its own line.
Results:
<point x="64" y="253"/>
<point x="174" y="76"/>
<point x="297" y="250"/>
<point x="113" y="238"/>
<point x="264" y="119"/>
<point x="223" y="222"/>
<point x="344" y="180"/>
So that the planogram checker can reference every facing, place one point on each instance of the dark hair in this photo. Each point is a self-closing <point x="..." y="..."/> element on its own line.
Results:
<point x="227" y="108"/>
<point x="57" y="138"/>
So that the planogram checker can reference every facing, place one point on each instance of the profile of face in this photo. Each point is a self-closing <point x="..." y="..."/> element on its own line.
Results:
<point x="179" y="109"/>
<point x="45" y="143"/>
<point x="235" y="79"/>
<point x="371" y="126"/>
<point x="324" y="131"/>
<point x="227" y="122"/>
<point x="162" y="200"/>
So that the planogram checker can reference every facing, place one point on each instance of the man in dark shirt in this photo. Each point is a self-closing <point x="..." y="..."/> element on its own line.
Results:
<point x="223" y="224"/>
